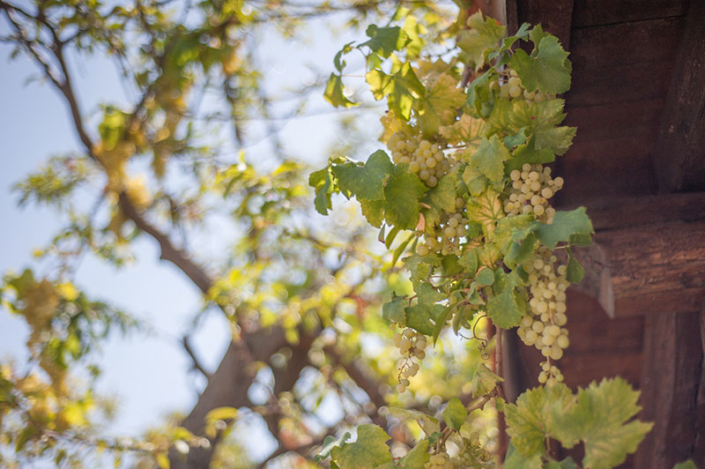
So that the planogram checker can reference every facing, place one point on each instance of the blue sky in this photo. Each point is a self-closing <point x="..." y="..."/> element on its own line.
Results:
<point x="147" y="373"/>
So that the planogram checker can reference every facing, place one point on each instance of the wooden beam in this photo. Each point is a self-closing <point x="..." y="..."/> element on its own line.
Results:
<point x="623" y="212"/>
<point x="671" y="377"/>
<point x="555" y="17"/>
<point x="679" y="154"/>
<point x="647" y="269"/>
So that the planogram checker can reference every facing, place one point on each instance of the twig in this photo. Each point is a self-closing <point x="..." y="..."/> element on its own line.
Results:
<point x="196" y="363"/>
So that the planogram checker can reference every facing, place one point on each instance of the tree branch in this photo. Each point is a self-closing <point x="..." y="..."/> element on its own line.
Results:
<point x="196" y="363"/>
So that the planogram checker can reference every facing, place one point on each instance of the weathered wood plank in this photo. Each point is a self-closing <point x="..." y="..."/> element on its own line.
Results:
<point x="579" y="370"/>
<point x="649" y="269"/>
<point x="602" y="12"/>
<point x="671" y="374"/>
<point x="555" y="17"/>
<point x="621" y="212"/>
<point x="591" y="330"/>
<point x="605" y="168"/>
<point x="679" y="154"/>
<point x="615" y="120"/>
<point x="595" y="49"/>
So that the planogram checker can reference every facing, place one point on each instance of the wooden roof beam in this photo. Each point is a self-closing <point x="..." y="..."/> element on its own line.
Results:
<point x="679" y="153"/>
<point x="648" y="256"/>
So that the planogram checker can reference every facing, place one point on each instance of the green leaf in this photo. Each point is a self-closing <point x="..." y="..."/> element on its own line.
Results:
<point x="485" y="210"/>
<point x="334" y="92"/>
<point x="442" y="96"/>
<point x="490" y="157"/>
<point x="565" y="225"/>
<point x="367" y="452"/>
<point x="483" y="381"/>
<point x="364" y="182"/>
<point x="443" y="196"/>
<point x="420" y="267"/>
<point x="504" y="309"/>
<point x="514" y="460"/>
<point x="528" y="153"/>
<point x="384" y="41"/>
<point x="470" y="262"/>
<point x="321" y="181"/>
<point x="393" y="311"/>
<point x="338" y="61"/>
<point x="520" y="138"/>
<point x="546" y="69"/>
<point x="423" y="316"/>
<point x="330" y="442"/>
<point x="417" y="457"/>
<point x="530" y="421"/>
<point x="402" y="194"/>
<point x="428" y="424"/>
<point x="567" y="463"/>
<point x="575" y="271"/>
<point x="454" y="414"/>
<point x="482" y="37"/>
<point x="475" y="181"/>
<point x="484" y="277"/>
<point x="686" y="465"/>
<point x="373" y="210"/>
<point x="600" y="417"/>
<point x="401" y="89"/>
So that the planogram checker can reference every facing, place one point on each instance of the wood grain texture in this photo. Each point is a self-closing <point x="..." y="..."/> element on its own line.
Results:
<point x="603" y="12"/>
<point x="679" y="153"/>
<point x="671" y="375"/>
<point x="650" y="269"/>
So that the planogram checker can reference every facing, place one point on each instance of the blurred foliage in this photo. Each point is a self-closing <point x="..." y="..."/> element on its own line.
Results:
<point x="160" y="166"/>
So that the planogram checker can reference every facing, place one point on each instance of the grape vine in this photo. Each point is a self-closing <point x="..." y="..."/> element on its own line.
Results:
<point x="467" y="187"/>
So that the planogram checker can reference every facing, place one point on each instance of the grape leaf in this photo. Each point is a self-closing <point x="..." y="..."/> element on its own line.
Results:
<point x="383" y="41"/>
<point x="475" y="181"/>
<point x="686" y="465"/>
<point x="401" y="88"/>
<point x="545" y="69"/>
<point x="443" y="196"/>
<point x="417" y="457"/>
<point x="428" y="424"/>
<point x="528" y="153"/>
<point x="334" y="92"/>
<point x="484" y="277"/>
<point x="442" y="96"/>
<point x="321" y="181"/>
<point x="565" y="225"/>
<point x="490" y="157"/>
<point x="364" y="182"/>
<point x="483" y="381"/>
<point x="567" y="463"/>
<point x="485" y="210"/>
<point x="423" y="316"/>
<point x="402" y="194"/>
<point x="504" y="309"/>
<point x="420" y="267"/>
<point x="600" y="416"/>
<point x="466" y="129"/>
<point x="483" y="36"/>
<point x="393" y="311"/>
<point x="454" y="414"/>
<point x="530" y="420"/>
<point x="367" y="452"/>
<point x="330" y="442"/>
<point x="514" y="460"/>
<point x="575" y="271"/>
<point x="373" y="210"/>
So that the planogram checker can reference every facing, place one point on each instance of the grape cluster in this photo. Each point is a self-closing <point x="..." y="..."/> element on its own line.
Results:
<point x="473" y="456"/>
<point x="423" y="157"/>
<point x="448" y="234"/>
<point x="543" y="327"/>
<point x="439" y="461"/>
<point x="530" y="191"/>
<point x="550" y="374"/>
<point x="411" y="345"/>
<point x="513" y="89"/>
